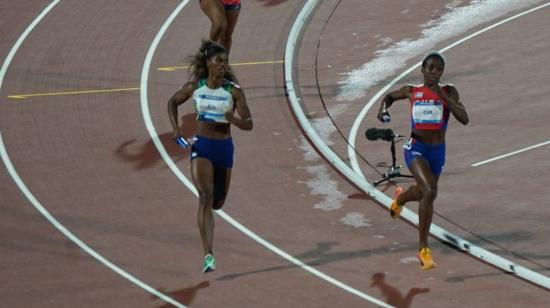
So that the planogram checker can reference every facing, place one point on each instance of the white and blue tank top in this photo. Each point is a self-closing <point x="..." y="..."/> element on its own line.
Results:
<point x="212" y="104"/>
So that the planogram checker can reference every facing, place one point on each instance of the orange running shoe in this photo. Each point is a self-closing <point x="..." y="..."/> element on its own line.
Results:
<point x="425" y="258"/>
<point x="395" y="209"/>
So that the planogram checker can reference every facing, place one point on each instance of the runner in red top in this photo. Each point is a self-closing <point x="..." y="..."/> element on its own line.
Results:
<point x="428" y="110"/>
<point x="431" y="104"/>
<point x="223" y="15"/>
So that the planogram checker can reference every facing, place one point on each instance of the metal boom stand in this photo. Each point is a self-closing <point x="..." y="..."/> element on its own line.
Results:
<point x="394" y="170"/>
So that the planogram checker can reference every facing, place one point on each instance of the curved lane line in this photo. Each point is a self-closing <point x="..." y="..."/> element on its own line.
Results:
<point x="162" y="151"/>
<point x="40" y="208"/>
<point x="355" y="128"/>
<point x="28" y="194"/>
<point x="380" y="197"/>
<point x="295" y="102"/>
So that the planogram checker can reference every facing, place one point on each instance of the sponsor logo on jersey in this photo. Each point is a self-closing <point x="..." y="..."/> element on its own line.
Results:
<point x="213" y="97"/>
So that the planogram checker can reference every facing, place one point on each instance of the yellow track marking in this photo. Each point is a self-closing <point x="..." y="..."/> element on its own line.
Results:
<point x="173" y="68"/>
<point x="24" y="96"/>
<point x="167" y="68"/>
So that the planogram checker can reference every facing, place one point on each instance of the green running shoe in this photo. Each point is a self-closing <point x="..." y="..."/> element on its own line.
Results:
<point x="209" y="263"/>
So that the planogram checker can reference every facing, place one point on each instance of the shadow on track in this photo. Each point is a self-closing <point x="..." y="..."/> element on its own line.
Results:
<point x="392" y="294"/>
<point x="185" y="296"/>
<point x="146" y="156"/>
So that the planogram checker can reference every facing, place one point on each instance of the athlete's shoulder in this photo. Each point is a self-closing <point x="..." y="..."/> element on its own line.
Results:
<point x="451" y="90"/>
<point x="189" y="87"/>
<point x="449" y="87"/>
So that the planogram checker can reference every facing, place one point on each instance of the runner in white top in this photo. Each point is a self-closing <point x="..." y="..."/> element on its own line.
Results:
<point x="216" y="97"/>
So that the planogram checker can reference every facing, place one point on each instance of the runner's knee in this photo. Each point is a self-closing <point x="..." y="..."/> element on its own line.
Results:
<point x="429" y="192"/>
<point x="219" y="26"/>
<point x="205" y="198"/>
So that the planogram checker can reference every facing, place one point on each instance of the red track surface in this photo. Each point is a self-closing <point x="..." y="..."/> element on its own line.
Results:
<point x="90" y="161"/>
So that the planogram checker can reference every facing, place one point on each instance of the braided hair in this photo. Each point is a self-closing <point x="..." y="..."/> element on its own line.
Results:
<point x="199" y="67"/>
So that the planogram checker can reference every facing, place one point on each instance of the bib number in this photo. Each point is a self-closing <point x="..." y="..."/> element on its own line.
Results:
<point x="427" y="113"/>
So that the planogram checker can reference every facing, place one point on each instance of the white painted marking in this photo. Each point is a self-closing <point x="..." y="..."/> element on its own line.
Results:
<point x="22" y="38"/>
<point x="162" y="151"/>
<point x="511" y="154"/>
<point x="322" y="184"/>
<point x="355" y="128"/>
<point x="28" y="194"/>
<point x="295" y="101"/>
<point x="145" y="103"/>
<point x="379" y="196"/>
<point x="325" y="187"/>
<point x="325" y="127"/>
<point x="356" y="220"/>
<point x="456" y="21"/>
<point x="408" y="260"/>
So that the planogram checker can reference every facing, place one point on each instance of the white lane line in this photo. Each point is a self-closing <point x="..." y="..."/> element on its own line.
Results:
<point x="22" y="38"/>
<point x="511" y="153"/>
<point x="162" y="151"/>
<point x="295" y="101"/>
<point x="452" y="23"/>
<point x="355" y="128"/>
<point x="28" y="194"/>
<point x="380" y="197"/>
<point x="144" y="102"/>
<point x="40" y="208"/>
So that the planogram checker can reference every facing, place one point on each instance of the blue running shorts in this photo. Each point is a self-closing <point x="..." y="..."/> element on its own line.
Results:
<point x="434" y="154"/>
<point x="218" y="151"/>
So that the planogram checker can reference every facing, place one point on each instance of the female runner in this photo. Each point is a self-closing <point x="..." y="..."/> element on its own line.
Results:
<point x="223" y="15"/>
<point x="431" y="105"/>
<point x="215" y="99"/>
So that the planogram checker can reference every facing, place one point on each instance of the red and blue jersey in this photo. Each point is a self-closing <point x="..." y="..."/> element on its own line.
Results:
<point x="428" y="110"/>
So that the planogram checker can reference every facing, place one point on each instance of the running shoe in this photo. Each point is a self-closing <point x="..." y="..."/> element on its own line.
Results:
<point x="395" y="209"/>
<point x="209" y="263"/>
<point x="425" y="258"/>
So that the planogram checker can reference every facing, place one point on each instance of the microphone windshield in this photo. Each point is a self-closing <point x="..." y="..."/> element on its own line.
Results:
<point x="377" y="133"/>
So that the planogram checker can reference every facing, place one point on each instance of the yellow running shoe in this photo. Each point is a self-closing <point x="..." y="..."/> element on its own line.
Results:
<point x="395" y="209"/>
<point x="425" y="258"/>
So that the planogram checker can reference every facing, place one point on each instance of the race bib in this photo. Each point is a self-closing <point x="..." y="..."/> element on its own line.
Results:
<point x="427" y="112"/>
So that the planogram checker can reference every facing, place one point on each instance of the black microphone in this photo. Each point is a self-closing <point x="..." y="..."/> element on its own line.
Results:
<point x="379" y="133"/>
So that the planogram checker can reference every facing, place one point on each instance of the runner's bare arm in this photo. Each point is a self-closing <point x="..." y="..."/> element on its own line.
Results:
<point x="177" y="99"/>
<point x="391" y="97"/>
<point x="452" y="99"/>
<point x="244" y="121"/>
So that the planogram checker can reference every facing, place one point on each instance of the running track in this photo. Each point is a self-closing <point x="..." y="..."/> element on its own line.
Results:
<point x="88" y="158"/>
